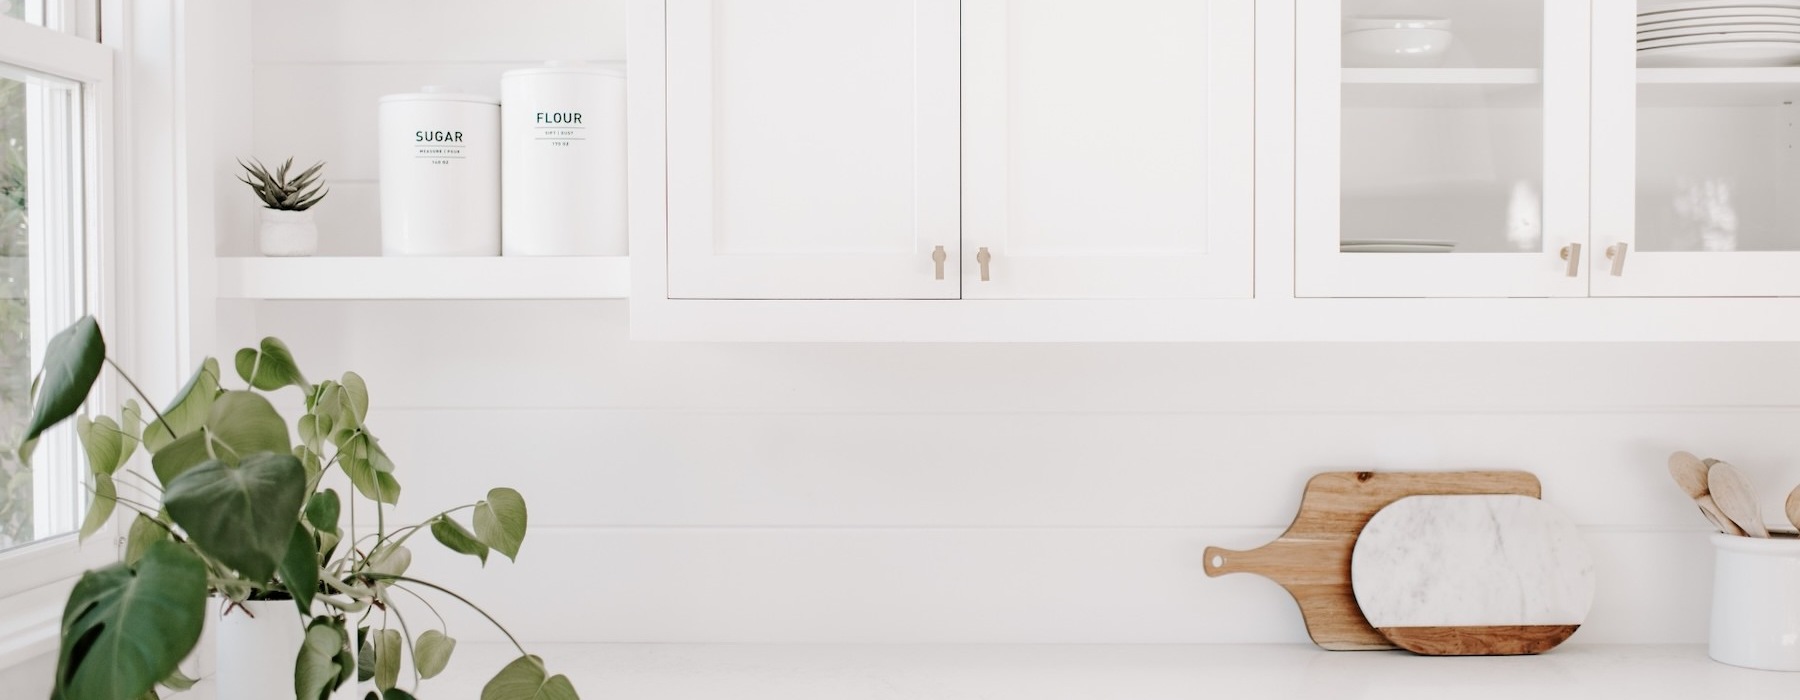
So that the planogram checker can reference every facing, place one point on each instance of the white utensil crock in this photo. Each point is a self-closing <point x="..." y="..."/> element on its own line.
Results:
<point x="1756" y="602"/>
<point x="440" y="174"/>
<point x="285" y="234"/>
<point x="257" y="650"/>
<point x="562" y="177"/>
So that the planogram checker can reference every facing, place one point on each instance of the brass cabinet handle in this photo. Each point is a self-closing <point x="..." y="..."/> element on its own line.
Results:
<point x="938" y="256"/>
<point x="1616" y="253"/>
<point x="1572" y="253"/>
<point x="984" y="257"/>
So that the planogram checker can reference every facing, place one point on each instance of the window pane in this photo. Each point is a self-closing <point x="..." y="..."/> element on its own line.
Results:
<point x="40" y="292"/>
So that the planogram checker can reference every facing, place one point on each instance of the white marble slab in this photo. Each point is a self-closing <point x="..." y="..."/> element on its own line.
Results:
<point x="1466" y="561"/>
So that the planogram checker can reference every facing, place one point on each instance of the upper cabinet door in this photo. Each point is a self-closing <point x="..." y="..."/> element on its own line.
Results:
<point x="1108" y="148"/>
<point x="1444" y="152"/>
<point x="1696" y="172"/>
<point x="813" y="149"/>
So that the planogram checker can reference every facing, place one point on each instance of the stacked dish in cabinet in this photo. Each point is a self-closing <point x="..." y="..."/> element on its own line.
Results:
<point x="1719" y="33"/>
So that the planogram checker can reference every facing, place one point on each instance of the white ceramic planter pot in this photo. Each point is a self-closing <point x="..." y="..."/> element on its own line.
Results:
<point x="257" y="646"/>
<point x="287" y="234"/>
<point x="1756" y="602"/>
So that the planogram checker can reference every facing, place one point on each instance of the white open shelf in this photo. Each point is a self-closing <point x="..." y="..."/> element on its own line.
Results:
<point x="1718" y="87"/>
<point x="424" y="278"/>
<point x="1437" y="88"/>
<point x="1443" y="76"/>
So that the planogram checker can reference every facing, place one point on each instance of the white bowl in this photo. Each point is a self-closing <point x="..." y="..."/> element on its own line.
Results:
<point x="1357" y="23"/>
<point x="1395" y="48"/>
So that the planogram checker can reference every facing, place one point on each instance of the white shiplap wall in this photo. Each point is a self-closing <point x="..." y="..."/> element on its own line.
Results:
<point x="935" y="493"/>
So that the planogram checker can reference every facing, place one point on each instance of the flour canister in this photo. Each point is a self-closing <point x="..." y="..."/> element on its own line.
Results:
<point x="440" y="173"/>
<point x="563" y="155"/>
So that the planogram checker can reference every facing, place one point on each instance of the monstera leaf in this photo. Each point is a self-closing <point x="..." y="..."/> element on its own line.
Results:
<point x="243" y="516"/>
<point x="526" y="679"/>
<point x="126" y="627"/>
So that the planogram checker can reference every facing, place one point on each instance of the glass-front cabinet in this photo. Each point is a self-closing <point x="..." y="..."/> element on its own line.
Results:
<point x="1696" y="124"/>
<point x="1442" y="148"/>
<point x="1545" y="148"/>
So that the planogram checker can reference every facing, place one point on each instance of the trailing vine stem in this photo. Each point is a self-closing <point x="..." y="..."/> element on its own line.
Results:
<point x="140" y="392"/>
<point x="459" y="598"/>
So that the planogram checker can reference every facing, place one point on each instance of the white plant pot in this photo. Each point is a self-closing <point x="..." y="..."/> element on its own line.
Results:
<point x="257" y="646"/>
<point x="1756" y="602"/>
<point x="287" y="234"/>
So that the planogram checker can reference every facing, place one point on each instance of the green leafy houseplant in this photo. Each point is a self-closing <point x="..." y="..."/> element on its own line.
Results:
<point x="243" y="516"/>
<point x="279" y="192"/>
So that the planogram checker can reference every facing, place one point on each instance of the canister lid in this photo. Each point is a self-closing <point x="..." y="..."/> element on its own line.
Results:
<point x="440" y="93"/>
<point x="566" y="68"/>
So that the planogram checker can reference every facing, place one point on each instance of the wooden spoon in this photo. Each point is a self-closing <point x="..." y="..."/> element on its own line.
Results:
<point x="1793" y="507"/>
<point x="1736" y="498"/>
<point x="1690" y="474"/>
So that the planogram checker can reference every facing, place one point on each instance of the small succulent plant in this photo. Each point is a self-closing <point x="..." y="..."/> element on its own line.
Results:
<point x="277" y="191"/>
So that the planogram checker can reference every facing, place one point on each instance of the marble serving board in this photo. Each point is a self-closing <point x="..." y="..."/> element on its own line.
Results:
<point x="1312" y="559"/>
<point x="1472" y="575"/>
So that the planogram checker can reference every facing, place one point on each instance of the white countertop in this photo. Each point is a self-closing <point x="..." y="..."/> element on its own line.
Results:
<point x="1146" y="672"/>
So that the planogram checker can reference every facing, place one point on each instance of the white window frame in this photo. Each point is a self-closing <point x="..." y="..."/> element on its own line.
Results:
<point x="37" y="574"/>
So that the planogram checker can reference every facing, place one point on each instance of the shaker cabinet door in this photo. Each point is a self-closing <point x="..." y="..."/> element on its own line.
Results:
<point x="813" y="149"/>
<point x="1696" y="173"/>
<point x="1442" y="148"/>
<point x="1108" y="148"/>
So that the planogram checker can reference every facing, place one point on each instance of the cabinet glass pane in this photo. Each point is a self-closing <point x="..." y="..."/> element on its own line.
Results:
<point x="1717" y="170"/>
<point x="1443" y="143"/>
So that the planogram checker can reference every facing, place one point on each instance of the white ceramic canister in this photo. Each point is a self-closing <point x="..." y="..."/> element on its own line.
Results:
<point x="440" y="173"/>
<point x="563" y="160"/>
<point x="1756" y="602"/>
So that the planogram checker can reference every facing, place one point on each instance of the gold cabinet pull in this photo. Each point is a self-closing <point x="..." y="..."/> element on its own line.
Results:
<point x="984" y="257"/>
<point x="938" y="256"/>
<point x="1616" y="253"/>
<point x="1572" y="253"/>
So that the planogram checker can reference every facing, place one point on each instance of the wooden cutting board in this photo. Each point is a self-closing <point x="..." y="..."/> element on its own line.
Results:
<point x="1312" y="559"/>
<point x="1472" y="575"/>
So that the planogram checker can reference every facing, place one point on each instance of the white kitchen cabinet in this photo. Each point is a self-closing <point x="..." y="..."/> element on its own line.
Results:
<point x="1108" y="149"/>
<point x="1696" y="177"/>
<point x="1483" y="155"/>
<point x="812" y="149"/>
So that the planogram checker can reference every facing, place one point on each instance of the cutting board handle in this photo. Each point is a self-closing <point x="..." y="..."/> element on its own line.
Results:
<point x="1221" y="561"/>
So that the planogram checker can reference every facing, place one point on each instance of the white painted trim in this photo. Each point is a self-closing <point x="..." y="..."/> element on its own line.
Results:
<point x="31" y="622"/>
<point x="424" y="278"/>
<point x="55" y="53"/>
<point x="1263" y="320"/>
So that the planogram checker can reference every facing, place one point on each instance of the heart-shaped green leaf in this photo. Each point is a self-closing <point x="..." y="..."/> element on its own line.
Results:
<point x="300" y="568"/>
<point x="102" y="441"/>
<point x="143" y="533"/>
<point x="131" y="427"/>
<point x="242" y="516"/>
<point x="270" y="366"/>
<point x="322" y="510"/>
<point x="126" y="627"/>
<point x="189" y="409"/>
<point x="358" y="457"/>
<point x="453" y="535"/>
<point x="183" y="454"/>
<point x="431" y="653"/>
<point x="72" y="361"/>
<point x="324" y="659"/>
<point x="100" y="510"/>
<point x="525" y="679"/>
<point x="500" y="521"/>
<point x="387" y="658"/>
<point x="355" y="398"/>
<point x="245" y="423"/>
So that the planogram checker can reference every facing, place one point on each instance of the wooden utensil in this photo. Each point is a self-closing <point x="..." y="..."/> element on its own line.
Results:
<point x="1690" y="472"/>
<point x="1793" y="507"/>
<point x="1472" y="575"/>
<point x="1736" y="498"/>
<point x="1312" y="559"/>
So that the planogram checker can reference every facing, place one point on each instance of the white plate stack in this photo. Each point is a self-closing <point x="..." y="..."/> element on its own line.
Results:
<point x="1719" y="33"/>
